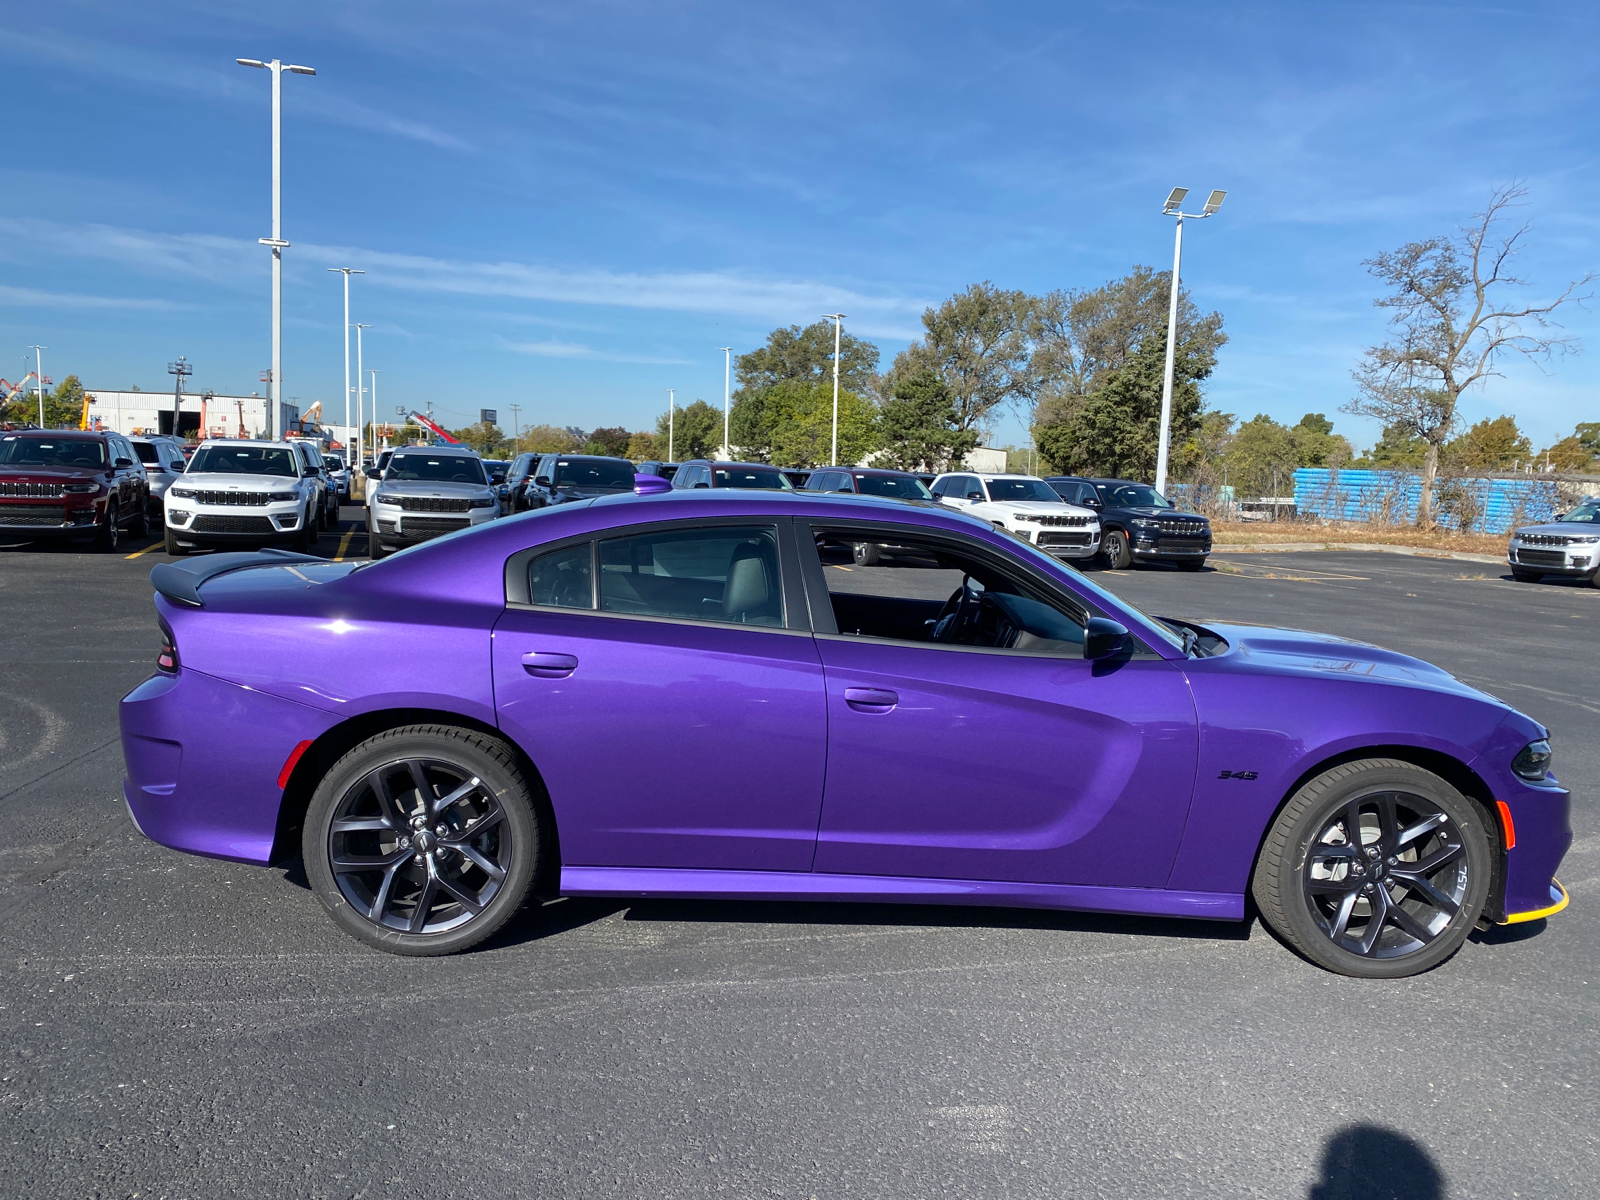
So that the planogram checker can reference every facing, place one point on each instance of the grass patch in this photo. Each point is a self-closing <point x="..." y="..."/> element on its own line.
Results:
<point x="1238" y="533"/>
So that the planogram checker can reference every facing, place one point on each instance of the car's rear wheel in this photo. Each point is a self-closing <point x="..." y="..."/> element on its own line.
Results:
<point x="1527" y="576"/>
<point x="423" y="840"/>
<point x="141" y="523"/>
<point x="172" y="545"/>
<point x="866" y="554"/>
<point x="1115" y="548"/>
<point x="1376" y="868"/>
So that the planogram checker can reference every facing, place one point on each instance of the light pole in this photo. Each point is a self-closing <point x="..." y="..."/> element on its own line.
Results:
<point x="373" y="375"/>
<point x="38" y="377"/>
<point x="671" y="412"/>
<point x="347" y="272"/>
<point x="838" y="330"/>
<point x="178" y="370"/>
<point x="361" y="422"/>
<point x="727" y="384"/>
<point x="1173" y="208"/>
<point x="275" y="386"/>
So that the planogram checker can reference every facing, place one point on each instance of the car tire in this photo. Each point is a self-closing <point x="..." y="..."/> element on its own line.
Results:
<point x="1191" y="564"/>
<point x="1313" y="891"/>
<point x="1114" y="547"/>
<point x="405" y="887"/>
<point x="141" y="524"/>
<point x="107" y="537"/>
<point x="866" y="554"/>
<point x="1527" y="576"/>
<point x="374" y="547"/>
<point x="175" y="550"/>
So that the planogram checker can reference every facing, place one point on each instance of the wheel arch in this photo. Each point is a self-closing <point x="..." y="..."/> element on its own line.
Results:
<point x="1449" y="768"/>
<point x="337" y="741"/>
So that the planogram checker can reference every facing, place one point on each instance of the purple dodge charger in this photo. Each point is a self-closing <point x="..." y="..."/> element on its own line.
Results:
<point x="702" y="694"/>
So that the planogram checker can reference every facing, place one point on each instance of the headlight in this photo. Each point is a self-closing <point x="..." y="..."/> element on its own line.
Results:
<point x="1022" y="517"/>
<point x="1144" y="523"/>
<point x="282" y="497"/>
<point x="81" y="488"/>
<point x="1533" y="761"/>
<point x="1576" y="541"/>
<point x="385" y="498"/>
<point x="482" y="502"/>
<point x="181" y="493"/>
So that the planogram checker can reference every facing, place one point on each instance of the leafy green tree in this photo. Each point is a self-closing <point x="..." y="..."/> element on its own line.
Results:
<point x="696" y="432"/>
<point x="977" y="342"/>
<point x="1493" y="444"/>
<point x="1262" y="457"/>
<point x="750" y="425"/>
<point x="63" y="406"/>
<point x="547" y="439"/>
<point x="1317" y="445"/>
<point x="612" y="440"/>
<point x="917" y="426"/>
<point x="801" y="414"/>
<point x="1580" y="452"/>
<point x="483" y="437"/>
<point x="806" y="354"/>
<point x="641" y="447"/>
<point x="1398" y="447"/>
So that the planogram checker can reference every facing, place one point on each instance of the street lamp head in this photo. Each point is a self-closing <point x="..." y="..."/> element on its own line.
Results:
<point x="1175" y="200"/>
<point x="251" y="62"/>
<point x="346" y="271"/>
<point x="834" y="316"/>
<point x="1214" y="202"/>
<point x="301" y="70"/>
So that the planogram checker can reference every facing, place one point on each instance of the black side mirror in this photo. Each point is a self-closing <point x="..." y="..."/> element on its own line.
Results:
<point x="123" y="462"/>
<point x="371" y="472"/>
<point x="1103" y="637"/>
<point x="541" y="480"/>
<point x="978" y="496"/>
<point x="702" y="484"/>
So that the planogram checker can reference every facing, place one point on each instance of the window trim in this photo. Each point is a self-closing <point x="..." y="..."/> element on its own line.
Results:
<point x="795" y="601"/>
<point x="821" y="606"/>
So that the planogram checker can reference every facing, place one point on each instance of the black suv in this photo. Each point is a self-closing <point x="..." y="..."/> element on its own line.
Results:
<point x="1138" y="523"/>
<point x="867" y="481"/>
<point x="559" y="478"/>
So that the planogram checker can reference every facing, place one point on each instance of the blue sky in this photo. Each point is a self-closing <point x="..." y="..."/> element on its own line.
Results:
<point x="569" y="207"/>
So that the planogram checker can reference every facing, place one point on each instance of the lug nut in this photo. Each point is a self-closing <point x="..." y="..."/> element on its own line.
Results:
<point x="405" y="843"/>
<point x="441" y="830"/>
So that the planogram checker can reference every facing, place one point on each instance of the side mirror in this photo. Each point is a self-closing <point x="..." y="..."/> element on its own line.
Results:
<point x="124" y="462"/>
<point x="975" y="496"/>
<point x="650" y="485"/>
<point x="541" y="480"/>
<point x="1561" y="516"/>
<point x="1103" y="637"/>
<point x="371" y="472"/>
<point x="1093" y="503"/>
<point x="702" y="484"/>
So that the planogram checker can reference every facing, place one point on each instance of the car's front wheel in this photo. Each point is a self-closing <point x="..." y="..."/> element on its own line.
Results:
<point x="1376" y="868"/>
<point x="866" y="554"/>
<point x="423" y="840"/>
<point x="172" y="545"/>
<point x="1115" y="548"/>
<point x="109" y="534"/>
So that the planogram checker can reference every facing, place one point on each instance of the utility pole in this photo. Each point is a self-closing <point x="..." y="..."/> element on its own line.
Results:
<point x="1173" y="208"/>
<point x="516" y="425"/>
<point x="178" y="370"/>
<point x="838" y="331"/>
<point x="276" y="242"/>
<point x="347" y="272"/>
<point x="38" y="377"/>
<point x="727" y="384"/>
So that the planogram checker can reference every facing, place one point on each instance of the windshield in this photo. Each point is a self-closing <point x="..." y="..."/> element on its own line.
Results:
<point x="750" y="477"/>
<point x="334" y="461"/>
<point x="52" y="452"/>
<point x="146" y="452"/>
<point x="245" y="460"/>
<point x="1588" y="514"/>
<point x="594" y="473"/>
<point x="1131" y="495"/>
<point x="445" y="468"/>
<point x="1021" y="489"/>
<point x="900" y="487"/>
<point x="1109" y="601"/>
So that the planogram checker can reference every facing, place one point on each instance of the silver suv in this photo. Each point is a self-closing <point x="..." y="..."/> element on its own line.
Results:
<point x="163" y="461"/>
<point x="425" y="491"/>
<point x="1569" y="546"/>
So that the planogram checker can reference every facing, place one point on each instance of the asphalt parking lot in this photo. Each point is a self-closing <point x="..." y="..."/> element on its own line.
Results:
<point x="183" y="1027"/>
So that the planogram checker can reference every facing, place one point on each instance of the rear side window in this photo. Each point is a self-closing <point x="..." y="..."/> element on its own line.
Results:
<point x="563" y="578"/>
<point x="724" y="573"/>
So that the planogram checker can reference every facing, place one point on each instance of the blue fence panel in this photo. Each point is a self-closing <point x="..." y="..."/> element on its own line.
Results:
<point x="1481" y="505"/>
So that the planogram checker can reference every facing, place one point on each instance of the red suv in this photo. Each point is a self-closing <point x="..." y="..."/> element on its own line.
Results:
<point x="63" y="483"/>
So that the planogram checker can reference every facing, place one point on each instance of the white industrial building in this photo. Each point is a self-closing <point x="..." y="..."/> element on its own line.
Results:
<point x="204" y="415"/>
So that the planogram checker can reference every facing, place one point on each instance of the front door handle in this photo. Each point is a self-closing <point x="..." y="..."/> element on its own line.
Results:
<point x="549" y="666"/>
<point x="870" y="700"/>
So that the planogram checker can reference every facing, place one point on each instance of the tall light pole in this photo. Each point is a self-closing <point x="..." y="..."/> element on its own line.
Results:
<point x="178" y="370"/>
<point x="347" y="272"/>
<point x="373" y="375"/>
<point x="1173" y="208"/>
<point x="361" y="421"/>
<point x="38" y="377"/>
<point x="672" y="408"/>
<point x="276" y="242"/>
<point x="727" y="393"/>
<point x="838" y="331"/>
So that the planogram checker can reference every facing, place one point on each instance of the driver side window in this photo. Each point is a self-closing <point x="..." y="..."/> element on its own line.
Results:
<point x="905" y="588"/>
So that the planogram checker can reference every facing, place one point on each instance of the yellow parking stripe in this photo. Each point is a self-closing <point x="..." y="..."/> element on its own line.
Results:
<point x="344" y="546"/>
<point x="152" y="546"/>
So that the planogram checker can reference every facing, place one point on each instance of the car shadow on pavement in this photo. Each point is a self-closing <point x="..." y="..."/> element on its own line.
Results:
<point x="1505" y="935"/>
<point x="1363" y="1162"/>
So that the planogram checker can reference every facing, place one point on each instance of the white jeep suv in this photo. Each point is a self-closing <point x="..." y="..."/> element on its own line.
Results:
<point x="425" y="491"/>
<point x="243" y="493"/>
<point x="1025" y="506"/>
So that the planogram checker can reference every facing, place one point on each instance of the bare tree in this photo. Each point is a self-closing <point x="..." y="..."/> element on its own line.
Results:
<point x="1452" y="329"/>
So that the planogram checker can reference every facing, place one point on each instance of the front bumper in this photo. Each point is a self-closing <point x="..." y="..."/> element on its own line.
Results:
<point x="50" y="517"/>
<point x="1552" y="560"/>
<point x="1065" y="542"/>
<point x="1173" y="551"/>
<point x="214" y="524"/>
<point x="396" y="527"/>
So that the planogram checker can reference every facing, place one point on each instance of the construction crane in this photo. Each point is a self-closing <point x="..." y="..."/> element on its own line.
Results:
<point x="434" y="429"/>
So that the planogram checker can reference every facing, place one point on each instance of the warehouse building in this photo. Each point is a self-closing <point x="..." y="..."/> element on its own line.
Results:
<point x="199" y="416"/>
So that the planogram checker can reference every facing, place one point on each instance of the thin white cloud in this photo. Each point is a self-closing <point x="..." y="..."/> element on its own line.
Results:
<point x="30" y="298"/>
<point x="558" y="349"/>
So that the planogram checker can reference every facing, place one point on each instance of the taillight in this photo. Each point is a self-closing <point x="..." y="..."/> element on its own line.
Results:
<point x="167" y="656"/>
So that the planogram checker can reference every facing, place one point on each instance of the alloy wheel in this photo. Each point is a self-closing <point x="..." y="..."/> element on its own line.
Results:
<point x="1385" y="874"/>
<point x="419" y="846"/>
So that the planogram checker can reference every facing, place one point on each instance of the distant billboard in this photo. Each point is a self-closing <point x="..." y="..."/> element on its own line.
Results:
<point x="489" y="416"/>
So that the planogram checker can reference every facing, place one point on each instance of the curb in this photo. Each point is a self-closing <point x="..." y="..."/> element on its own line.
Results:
<point x="1365" y="547"/>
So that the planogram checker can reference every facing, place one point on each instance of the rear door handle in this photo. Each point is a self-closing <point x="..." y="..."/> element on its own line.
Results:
<point x="549" y="666"/>
<point x="870" y="700"/>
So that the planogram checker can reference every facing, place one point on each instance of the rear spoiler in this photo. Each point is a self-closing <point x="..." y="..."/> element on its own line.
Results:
<point x="181" y="582"/>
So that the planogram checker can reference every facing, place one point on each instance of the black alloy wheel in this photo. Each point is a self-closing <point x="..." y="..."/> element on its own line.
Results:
<point x="1115" y="548"/>
<point x="141" y="523"/>
<point x="866" y="554"/>
<point x="1377" y="869"/>
<point x="109" y="535"/>
<point x="423" y="840"/>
